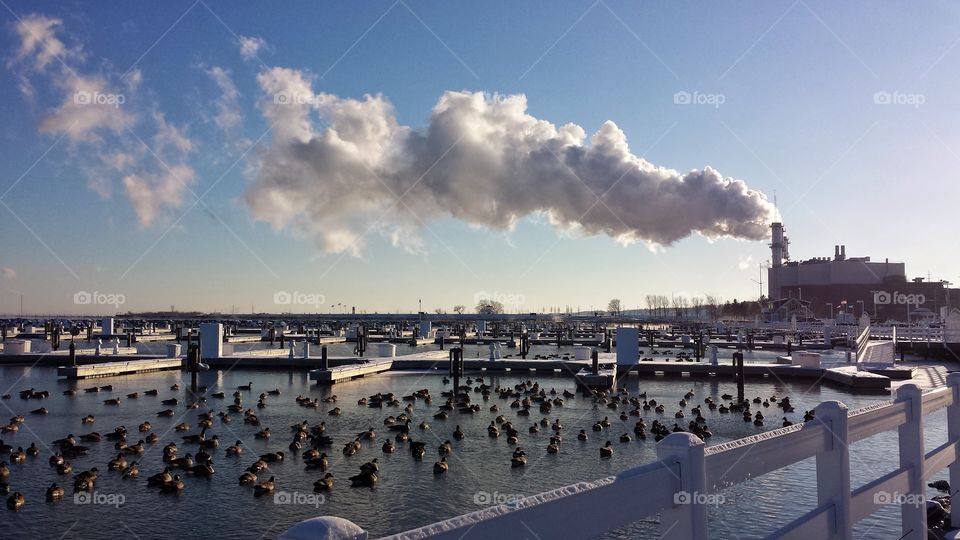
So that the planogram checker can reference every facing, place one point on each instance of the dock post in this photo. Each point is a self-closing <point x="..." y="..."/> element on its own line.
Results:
<point x="324" y="361"/>
<point x="833" y="467"/>
<point x="595" y="359"/>
<point x="456" y="369"/>
<point x="738" y="363"/>
<point x="953" y="435"/>
<point x="913" y="510"/>
<point x="687" y="518"/>
<point x="73" y="354"/>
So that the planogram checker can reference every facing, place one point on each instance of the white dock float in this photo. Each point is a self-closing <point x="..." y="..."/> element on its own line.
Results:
<point x="110" y="369"/>
<point x="351" y="371"/>
<point x="604" y="378"/>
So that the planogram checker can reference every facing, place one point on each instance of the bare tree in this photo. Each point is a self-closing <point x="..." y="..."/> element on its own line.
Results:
<point x="459" y="309"/>
<point x="614" y="307"/>
<point x="489" y="307"/>
<point x="697" y="304"/>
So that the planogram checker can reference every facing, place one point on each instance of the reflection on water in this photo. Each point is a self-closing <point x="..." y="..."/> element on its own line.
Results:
<point x="409" y="494"/>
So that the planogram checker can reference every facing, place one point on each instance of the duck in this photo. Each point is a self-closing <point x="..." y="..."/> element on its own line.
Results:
<point x="320" y="462"/>
<point x="263" y="488"/>
<point x="55" y="493"/>
<point x="625" y="438"/>
<point x="235" y="450"/>
<point x="160" y="478"/>
<point x="324" y="484"/>
<point x="88" y="419"/>
<point x="118" y="463"/>
<point x="248" y="478"/>
<point x="607" y="450"/>
<point x="173" y="486"/>
<point x="132" y="471"/>
<point x="441" y="466"/>
<point x="32" y="450"/>
<point x="63" y="468"/>
<point x="16" y="501"/>
<point x="19" y="456"/>
<point x="389" y="447"/>
<point x="458" y="433"/>
<point x="519" y="458"/>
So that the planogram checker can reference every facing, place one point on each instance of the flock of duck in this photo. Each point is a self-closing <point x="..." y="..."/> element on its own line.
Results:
<point x="192" y="454"/>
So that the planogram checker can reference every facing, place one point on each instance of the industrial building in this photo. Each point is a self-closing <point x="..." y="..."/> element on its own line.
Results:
<point x="846" y="287"/>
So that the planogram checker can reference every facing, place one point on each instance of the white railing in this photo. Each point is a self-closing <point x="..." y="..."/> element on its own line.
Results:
<point x="677" y="485"/>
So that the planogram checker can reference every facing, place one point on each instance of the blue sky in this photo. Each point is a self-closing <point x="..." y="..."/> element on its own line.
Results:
<point x="845" y="111"/>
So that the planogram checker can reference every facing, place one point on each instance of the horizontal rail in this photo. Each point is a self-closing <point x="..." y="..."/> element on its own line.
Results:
<point x="938" y="459"/>
<point x="740" y="460"/>
<point x="638" y="493"/>
<point x="817" y="523"/>
<point x="864" y="501"/>
<point x="874" y="419"/>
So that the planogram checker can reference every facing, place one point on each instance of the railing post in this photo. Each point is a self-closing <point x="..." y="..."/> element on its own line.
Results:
<point x="687" y="518"/>
<point x="953" y="435"/>
<point x="913" y="510"/>
<point x="833" y="467"/>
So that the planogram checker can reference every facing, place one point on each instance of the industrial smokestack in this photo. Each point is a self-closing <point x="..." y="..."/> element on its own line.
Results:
<point x="843" y="253"/>
<point x="836" y="252"/>
<point x="480" y="159"/>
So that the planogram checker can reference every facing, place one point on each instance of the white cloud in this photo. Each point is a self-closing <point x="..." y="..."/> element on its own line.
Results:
<point x="7" y="273"/>
<point x="96" y="113"/>
<point x="88" y="108"/>
<point x="745" y="263"/>
<point x="39" y="42"/>
<point x="251" y="46"/>
<point x="480" y="160"/>
<point x="152" y="195"/>
<point x="228" y="114"/>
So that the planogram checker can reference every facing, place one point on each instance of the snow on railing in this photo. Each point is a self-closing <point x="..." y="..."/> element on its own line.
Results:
<point x="679" y="484"/>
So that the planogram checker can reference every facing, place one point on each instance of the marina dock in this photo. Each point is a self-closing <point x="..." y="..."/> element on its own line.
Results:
<point x="110" y="369"/>
<point x="351" y="371"/>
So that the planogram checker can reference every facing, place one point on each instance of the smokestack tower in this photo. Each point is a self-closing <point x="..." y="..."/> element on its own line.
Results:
<point x="778" y="245"/>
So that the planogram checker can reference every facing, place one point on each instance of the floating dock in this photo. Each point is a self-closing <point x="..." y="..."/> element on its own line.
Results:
<point x="351" y="371"/>
<point x="110" y="369"/>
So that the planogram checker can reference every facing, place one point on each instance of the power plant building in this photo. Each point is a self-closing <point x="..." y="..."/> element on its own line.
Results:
<point x="845" y="287"/>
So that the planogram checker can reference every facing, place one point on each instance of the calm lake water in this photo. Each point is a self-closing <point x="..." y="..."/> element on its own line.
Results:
<point x="408" y="495"/>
